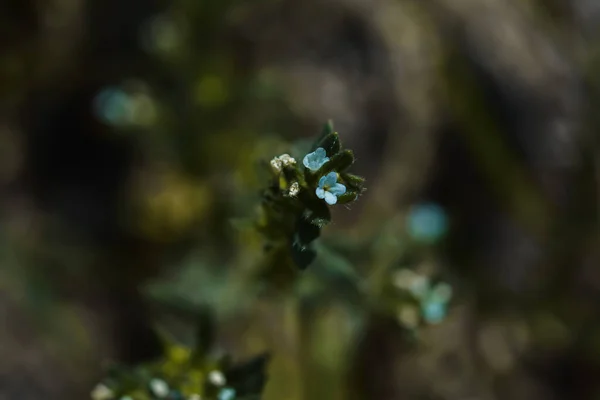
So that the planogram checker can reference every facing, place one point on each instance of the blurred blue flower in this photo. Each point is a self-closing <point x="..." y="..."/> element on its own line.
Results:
<point x="433" y="311"/>
<point x="329" y="189"/>
<point x="175" y="395"/>
<point x="112" y="106"/>
<point x="316" y="159"/>
<point x="427" y="222"/>
<point x="435" y="306"/>
<point x="227" y="394"/>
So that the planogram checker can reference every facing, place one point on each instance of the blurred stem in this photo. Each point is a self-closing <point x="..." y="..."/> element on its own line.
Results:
<point x="323" y="347"/>
<point x="295" y="330"/>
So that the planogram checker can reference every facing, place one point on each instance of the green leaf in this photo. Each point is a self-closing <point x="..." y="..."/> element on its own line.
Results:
<point x="327" y="130"/>
<point x="314" y="205"/>
<point x="347" y="197"/>
<point x="306" y="232"/>
<point x="353" y="182"/>
<point x="331" y="143"/>
<point x="338" y="273"/>
<point x="339" y="162"/>
<point x="318" y="212"/>
<point x="249" y="378"/>
<point x="320" y="222"/>
<point x="291" y="174"/>
<point x="302" y="256"/>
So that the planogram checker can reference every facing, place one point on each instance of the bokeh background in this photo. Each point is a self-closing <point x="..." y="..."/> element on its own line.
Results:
<point x="130" y="133"/>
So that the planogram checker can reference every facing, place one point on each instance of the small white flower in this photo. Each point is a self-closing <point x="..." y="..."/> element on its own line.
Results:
<point x="159" y="388"/>
<point x="102" y="392"/>
<point x="287" y="160"/>
<point x="217" y="378"/>
<point x="294" y="189"/>
<point x="276" y="165"/>
<point x="284" y="160"/>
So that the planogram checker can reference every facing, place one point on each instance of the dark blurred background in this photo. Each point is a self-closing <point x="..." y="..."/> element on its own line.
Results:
<point x="129" y="137"/>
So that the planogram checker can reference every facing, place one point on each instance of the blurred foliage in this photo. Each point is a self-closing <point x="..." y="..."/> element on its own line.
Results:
<point x="165" y="205"/>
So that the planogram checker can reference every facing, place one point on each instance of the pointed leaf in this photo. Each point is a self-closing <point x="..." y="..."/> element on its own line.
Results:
<point x="315" y="207"/>
<point x="326" y="131"/>
<point x="318" y="213"/>
<point x="302" y="256"/>
<point x="354" y="182"/>
<point x="339" y="163"/>
<point x="347" y="197"/>
<point x="331" y="143"/>
<point x="306" y="232"/>
<point x="250" y="377"/>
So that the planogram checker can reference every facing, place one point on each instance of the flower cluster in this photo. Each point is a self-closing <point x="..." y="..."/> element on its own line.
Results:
<point x="329" y="189"/>
<point x="184" y="375"/>
<point x="296" y="205"/>
<point x="433" y="299"/>
<point x="160" y="388"/>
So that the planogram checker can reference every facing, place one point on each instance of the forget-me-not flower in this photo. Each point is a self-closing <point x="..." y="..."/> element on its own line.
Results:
<point x="227" y="394"/>
<point x="434" y="306"/>
<point x="329" y="189"/>
<point x="427" y="222"/>
<point x="316" y="159"/>
<point x="433" y="312"/>
<point x="113" y="105"/>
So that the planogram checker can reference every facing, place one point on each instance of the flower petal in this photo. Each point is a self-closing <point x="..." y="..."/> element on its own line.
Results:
<point x="434" y="312"/>
<point x="338" y="189"/>
<point x="322" y="181"/>
<point x="307" y="160"/>
<point x="330" y="198"/>
<point x="321" y="193"/>
<point x="427" y="223"/>
<point x="330" y="179"/>
<point x="316" y="159"/>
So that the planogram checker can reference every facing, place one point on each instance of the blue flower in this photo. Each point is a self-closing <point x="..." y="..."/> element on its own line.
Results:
<point x="329" y="189"/>
<point x="227" y="394"/>
<point x="112" y="105"/>
<point x="427" y="223"/>
<point x="316" y="159"/>
<point x="435" y="306"/>
<point x="433" y="311"/>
